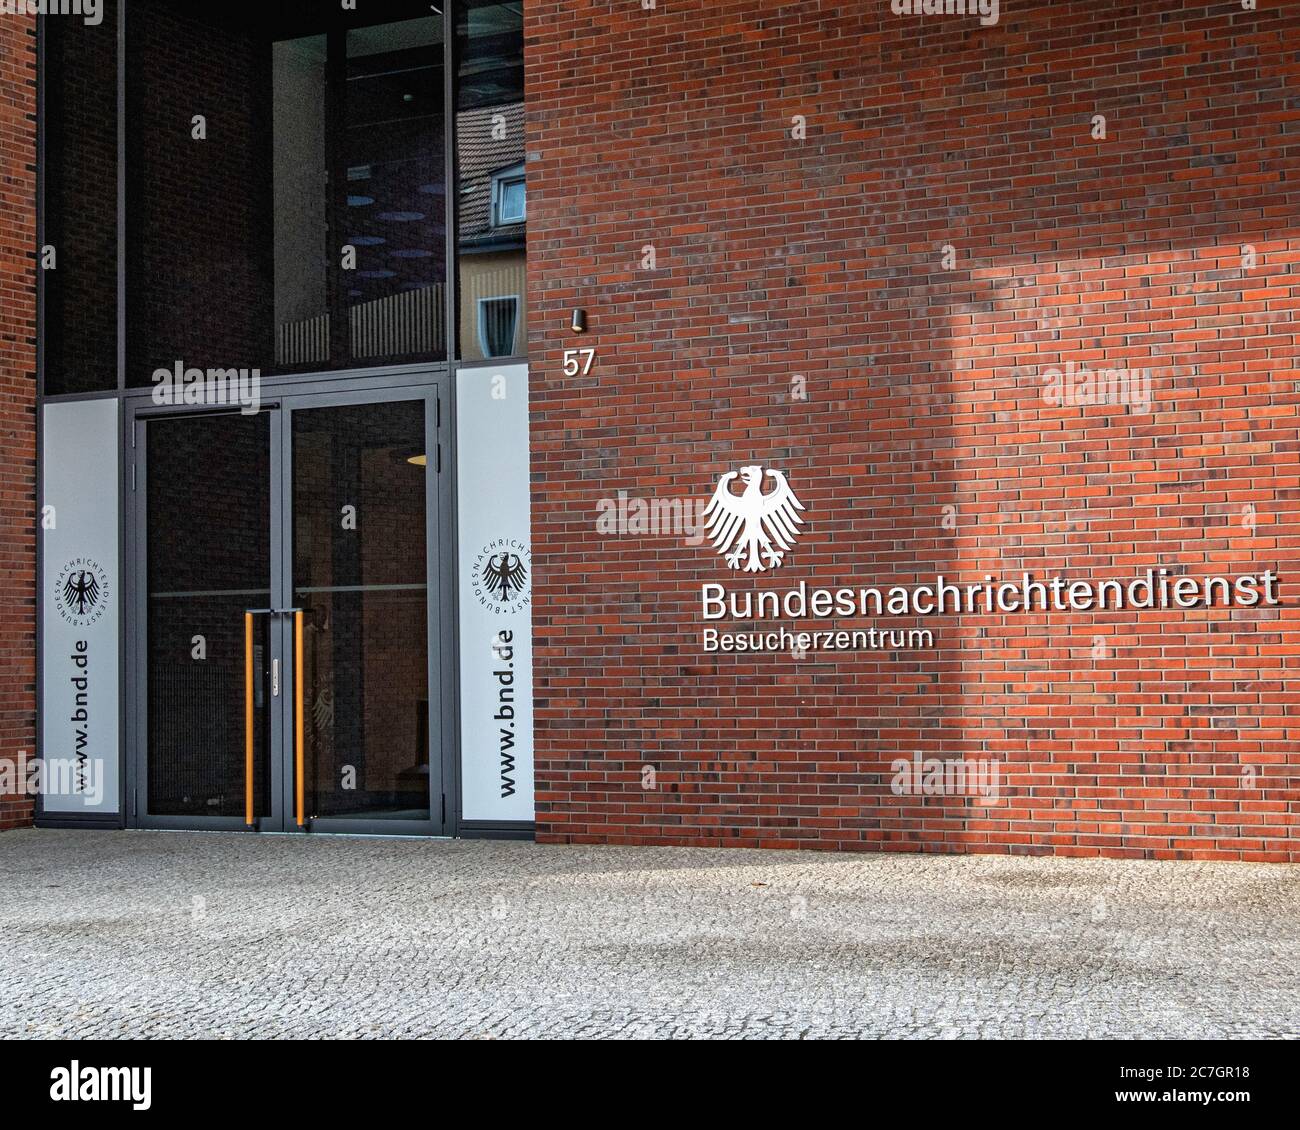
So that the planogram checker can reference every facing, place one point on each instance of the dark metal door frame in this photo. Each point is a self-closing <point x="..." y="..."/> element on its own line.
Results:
<point x="437" y="616"/>
<point x="434" y="389"/>
<point x="135" y="698"/>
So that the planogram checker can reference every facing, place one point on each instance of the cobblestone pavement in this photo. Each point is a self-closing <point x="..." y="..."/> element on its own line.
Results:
<point x="180" y="934"/>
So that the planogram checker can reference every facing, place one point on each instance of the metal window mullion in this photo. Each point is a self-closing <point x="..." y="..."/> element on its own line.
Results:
<point x="451" y="303"/>
<point x="41" y="102"/>
<point x="121" y="195"/>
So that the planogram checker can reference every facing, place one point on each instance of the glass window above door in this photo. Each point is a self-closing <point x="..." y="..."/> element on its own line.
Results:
<point x="492" y="195"/>
<point x="288" y="187"/>
<point x="79" y="161"/>
<point x="286" y="199"/>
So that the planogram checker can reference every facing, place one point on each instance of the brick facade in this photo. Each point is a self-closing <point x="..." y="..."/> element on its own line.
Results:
<point x="800" y="314"/>
<point x="926" y="443"/>
<point x="17" y="401"/>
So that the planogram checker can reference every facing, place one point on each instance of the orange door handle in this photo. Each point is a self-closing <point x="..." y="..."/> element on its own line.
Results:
<point x="298" y="694"/>
<point x="248" y="719"/>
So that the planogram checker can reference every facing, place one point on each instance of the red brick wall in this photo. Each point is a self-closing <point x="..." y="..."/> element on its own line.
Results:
<point x="17" y="401"/>
<point x="671" y="127"/>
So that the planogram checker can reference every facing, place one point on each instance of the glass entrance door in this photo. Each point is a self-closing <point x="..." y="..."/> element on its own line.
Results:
<point x="359" y="563"/>
<point x="204" y="490"/>
<point x="282" y="658"/>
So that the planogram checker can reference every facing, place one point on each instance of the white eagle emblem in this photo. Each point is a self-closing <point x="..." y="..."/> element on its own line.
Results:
<point x="753" y="530"/>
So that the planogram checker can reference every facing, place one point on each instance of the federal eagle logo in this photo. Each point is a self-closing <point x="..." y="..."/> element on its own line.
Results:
<point x="753" y="530"/>
<point x="81" y="592"/>
<point x="504" y="576"/>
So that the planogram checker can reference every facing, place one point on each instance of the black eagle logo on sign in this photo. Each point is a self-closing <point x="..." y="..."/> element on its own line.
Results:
<point x="81" y="592"/>
<point x="504" y="574"/>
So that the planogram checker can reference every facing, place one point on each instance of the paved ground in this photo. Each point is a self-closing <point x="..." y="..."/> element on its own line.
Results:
<point x="165" y="934"/>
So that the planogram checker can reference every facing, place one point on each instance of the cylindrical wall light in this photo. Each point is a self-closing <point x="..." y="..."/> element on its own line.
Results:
<point x="579" y="323"/>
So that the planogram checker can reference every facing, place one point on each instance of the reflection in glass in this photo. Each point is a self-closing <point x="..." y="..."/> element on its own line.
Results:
<point x="491" y="192"/>
<point x="359" y="574"/>
<point x="498" y="326"/>
<point x="79" y="109"/>
<point x="209" y="559"/>
<point x="285" y="189"/>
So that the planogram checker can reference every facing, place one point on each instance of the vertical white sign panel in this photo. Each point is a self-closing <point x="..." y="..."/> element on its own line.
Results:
<point x="496" y="577"/>
<point x="81" y="609"/>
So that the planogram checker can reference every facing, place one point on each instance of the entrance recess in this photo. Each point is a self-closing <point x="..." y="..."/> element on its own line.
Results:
<point x="287" y="626"/>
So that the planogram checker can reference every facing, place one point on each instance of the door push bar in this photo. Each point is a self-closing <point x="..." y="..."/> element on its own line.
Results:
<point x="297" y="613"/>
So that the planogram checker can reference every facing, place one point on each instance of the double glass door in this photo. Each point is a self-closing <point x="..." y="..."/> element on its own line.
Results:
<point x="287" y="620"/>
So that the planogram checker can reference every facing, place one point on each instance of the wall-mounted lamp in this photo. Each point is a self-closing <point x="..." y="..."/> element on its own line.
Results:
<point x="579" y="323"/>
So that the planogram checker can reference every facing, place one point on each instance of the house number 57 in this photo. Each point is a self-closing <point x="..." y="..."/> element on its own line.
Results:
<point x="578" y="361"/>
